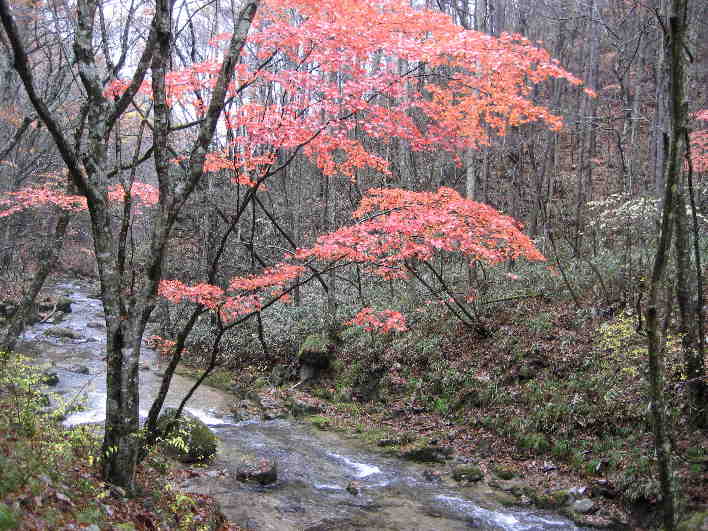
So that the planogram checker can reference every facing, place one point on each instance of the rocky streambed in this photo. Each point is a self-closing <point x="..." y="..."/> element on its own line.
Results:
<point x="324" y="480"/>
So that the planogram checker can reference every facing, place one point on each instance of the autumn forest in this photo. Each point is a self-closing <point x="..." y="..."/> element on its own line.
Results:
<point x="262" y="260"/>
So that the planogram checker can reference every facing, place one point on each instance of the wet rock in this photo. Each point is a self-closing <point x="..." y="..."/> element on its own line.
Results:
<point x="577" y="492"/>
<point x="549" y="467"/>
<point x="244" y="410"/>
<point x="63" y="304"/>
<point x="427" y="454"/>
<point x="264" y="473"/>
<point x="517" y="487"/>
<point x="59" y="331"/>
<point x="54" y="305"/>
<point x="78" y="369"/>
<point x="196" y="441"/>
<point x="274" y="414"/>
<point x="95" y="324"/>
<point x="387" y="442"/>
<point x="50" y="378"/>
<point x="300" y="408"/>
<point x="353" y="488"/>
<point x="144" y="367"/>
<point x="467" y="473"/>
<point x="57" y="318"/>
<point x="603" y="488"/>
<point x="432" y="475"/>
<point x="270" y="409"/>
<point x="583" y="506"/>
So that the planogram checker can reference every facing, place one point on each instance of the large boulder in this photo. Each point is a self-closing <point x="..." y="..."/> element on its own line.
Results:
<point x="467" y="473"/>
<point x="264" y="473"/>
<point x="427" y="453"/>
<point x="60" y="331"/>
<point x="188" y="440"/>
<point x="317" y="351"/>
<point x="50" y="378"/>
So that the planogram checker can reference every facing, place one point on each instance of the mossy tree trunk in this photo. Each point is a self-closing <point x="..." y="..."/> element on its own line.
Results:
<point x="675" y="32"/>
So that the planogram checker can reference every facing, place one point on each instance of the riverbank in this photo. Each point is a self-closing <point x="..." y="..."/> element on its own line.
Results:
<point x="555" y="395"/>
<point x="324" y="480"/>
<point x="451" y="424"/>
<point x="49" y="478"/>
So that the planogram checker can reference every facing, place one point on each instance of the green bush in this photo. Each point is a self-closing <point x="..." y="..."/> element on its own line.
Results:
<point x="190" y="440"/>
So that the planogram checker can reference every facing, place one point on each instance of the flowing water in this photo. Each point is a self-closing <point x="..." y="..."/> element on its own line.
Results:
<point x="314" y="467"/>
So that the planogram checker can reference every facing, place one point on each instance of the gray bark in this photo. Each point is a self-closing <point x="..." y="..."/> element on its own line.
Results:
<point x="126" y="316"/>
<point x="675" y="35"/>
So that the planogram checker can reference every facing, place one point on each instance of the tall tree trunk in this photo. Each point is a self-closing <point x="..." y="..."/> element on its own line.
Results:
<point x="660" y="126"/>
<point x="675" y="35"/>
<point x="586" y="141"/>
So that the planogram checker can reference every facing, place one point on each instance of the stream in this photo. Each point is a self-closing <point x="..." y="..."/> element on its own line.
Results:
<point x="314" y="467"/>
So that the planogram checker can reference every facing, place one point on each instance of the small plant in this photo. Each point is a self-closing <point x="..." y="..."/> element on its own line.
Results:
<point x="441" y="405"/>
<point x="22" y="383"/>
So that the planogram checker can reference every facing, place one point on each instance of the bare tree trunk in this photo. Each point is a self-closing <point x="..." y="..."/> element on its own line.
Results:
<point x="86" y="162"/>
<point x="587" y="132"/>
<point x="688" y="327"/>
<point x="660" y="127"/>
<point x="675" y="34"/>
<point x="47" y="260"/>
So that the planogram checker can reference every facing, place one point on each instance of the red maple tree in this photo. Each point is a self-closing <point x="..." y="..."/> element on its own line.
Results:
<point x="340" y="80"/>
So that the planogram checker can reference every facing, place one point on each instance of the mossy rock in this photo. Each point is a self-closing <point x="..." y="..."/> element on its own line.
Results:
<point x="503" y="498"/>
<point x="467" y="473"/>
<point x="551" y="500"/>
<point x="317" y="351"/>
<point x="697" y="522"/>
<point x="503" y="472"/>
<point x="300" y="408"/>
<point x="59" y="331"/>
<point x="199" y="441"/>
<point x="260" y="382"/>
<point x="319" y="422"/>
<point x="50" y="378"/>
<point x="517" y="487"/>
<point x="427" y="454"/>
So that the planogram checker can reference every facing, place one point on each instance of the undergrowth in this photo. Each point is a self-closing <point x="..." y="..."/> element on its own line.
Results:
<point x="49" y="473"/>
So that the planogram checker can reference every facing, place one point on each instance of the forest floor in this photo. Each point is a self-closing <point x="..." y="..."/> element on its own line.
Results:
<point x="555" y="395"/>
